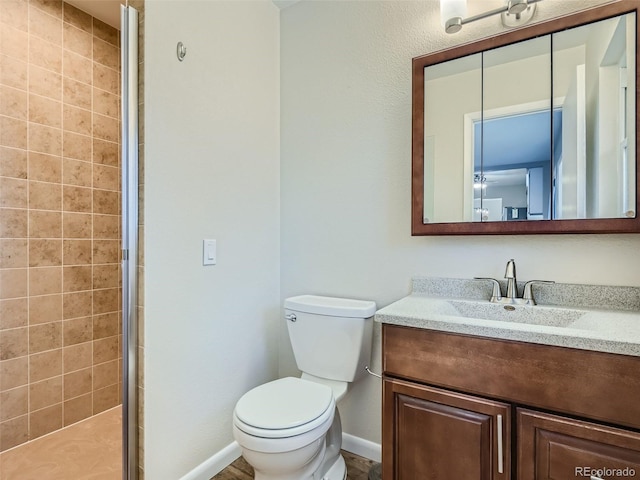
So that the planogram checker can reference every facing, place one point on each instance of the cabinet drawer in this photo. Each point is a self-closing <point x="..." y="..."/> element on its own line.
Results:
<point x="554" y="447"/>
<point x="436" y="434"/>
<point x="596" y="385"/>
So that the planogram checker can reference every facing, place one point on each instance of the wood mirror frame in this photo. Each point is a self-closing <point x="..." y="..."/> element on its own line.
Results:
<point x="595" y="225"/>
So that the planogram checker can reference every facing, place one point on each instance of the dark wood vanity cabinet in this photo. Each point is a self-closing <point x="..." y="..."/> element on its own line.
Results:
<point x="445" y="435"/>
<point x="465" y="407"/>
<point x="554" y="447"/>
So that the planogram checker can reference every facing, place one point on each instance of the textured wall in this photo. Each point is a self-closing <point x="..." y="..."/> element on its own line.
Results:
<point x="211" y="141"/>
<point x="59" y="218"/>
<point x="346" y="172"/>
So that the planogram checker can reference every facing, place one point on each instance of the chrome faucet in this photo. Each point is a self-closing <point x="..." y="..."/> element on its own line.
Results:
<point x="512" y="288"/>
<point x="512" y="282"/>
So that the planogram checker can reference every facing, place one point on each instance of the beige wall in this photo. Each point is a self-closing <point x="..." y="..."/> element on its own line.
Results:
<point x="59" y="218"/>
<point x="211" y="148"/>
<point x="346" y="174"/>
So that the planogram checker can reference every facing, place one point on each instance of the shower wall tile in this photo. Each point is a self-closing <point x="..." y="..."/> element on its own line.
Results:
<point x="14" y="432"/>
<point x="45" y="365"/>
<point x="45" y="393"/>
<point x="76" y="146"/>
<point x="45" y="196"/>
<point x="13" y="373"/>
<point x="77" y="40"/>
<point x="13" y="133"/>
<point x="15" y="13"/>
<point x="107" y="178"/>
<point x="45" y="139"/>
<point x="45" y="253"/>
<point x="13" y="343"/>
<point x="106" y="227"/>
<point x="77" y="18"/>
<point x="44" y="25"/>
<point x="45" y="168"/>
<point x="45" y="309"/>
<point x="13" y="71"/>
<point x="77" y="172"/>
<point x="13" y="42"/>
<point x="77" y="225"/>
<point x="13" y="163"/>
<point x="77" y="356"/>
<point x="76" y="278"/>
<point x="13" y="102"/>
<point x="44" y="82"/>
<point x="105" y="153"/>
<point x="13" y="314"/>
<point x="13" y="283"/>
<point x="76" y="199"/>
<point x="13" y="403"/>
<point x="60" y="218"/>
<point x="14" y="253"/>
<point x="78" y="383"/>
<point x="77" y="409"/>
<point x="46" y="336"/>
<point x="45" y="421"/>
<point x="45" y="281"/>
<point x="78" y="304"/>
<point x="76" y="93"/>
<point x="45" y="54"/>
<point x="52" y="7"/>
<point x="77" y="67"/>
<point x="106" y="78"/>
<point x="106" y="32"/>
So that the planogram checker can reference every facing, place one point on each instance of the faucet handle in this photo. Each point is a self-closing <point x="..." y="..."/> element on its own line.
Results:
<point x="496" y="295"/>
<point x="528" y="291"/>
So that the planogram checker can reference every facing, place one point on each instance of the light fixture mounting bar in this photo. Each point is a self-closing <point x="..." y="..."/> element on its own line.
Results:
<point x="512" y="7"/>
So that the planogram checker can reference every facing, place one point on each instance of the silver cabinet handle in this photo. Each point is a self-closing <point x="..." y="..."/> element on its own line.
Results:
<point x="500" y="447"/>
<point x="593" y="477"/>
<point x="291" y="317"/>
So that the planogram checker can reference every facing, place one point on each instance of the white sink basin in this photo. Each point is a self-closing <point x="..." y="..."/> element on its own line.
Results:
<point x="532" y="315"/>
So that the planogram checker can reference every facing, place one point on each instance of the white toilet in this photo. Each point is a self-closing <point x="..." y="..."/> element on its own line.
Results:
<point x="289" y="429"/>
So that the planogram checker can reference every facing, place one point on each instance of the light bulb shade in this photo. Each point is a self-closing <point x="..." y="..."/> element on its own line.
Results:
<point x="452" y="9"/>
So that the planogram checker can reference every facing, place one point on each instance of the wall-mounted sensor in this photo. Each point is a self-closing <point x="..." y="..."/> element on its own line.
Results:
<point x="181" y="51"/>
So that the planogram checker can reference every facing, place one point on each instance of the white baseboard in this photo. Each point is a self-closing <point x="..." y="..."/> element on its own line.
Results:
<point x="215" y="464"/>
<point x="219" y="461"/>
<point x="362" y="447"/>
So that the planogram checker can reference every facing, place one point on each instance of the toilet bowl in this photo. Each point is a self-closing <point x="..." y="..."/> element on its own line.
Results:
<point x="290" y="429"/>
<point x="282" y="428"/>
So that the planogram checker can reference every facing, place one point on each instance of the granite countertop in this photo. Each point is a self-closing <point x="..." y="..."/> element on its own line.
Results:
<point x="588" y="317"/>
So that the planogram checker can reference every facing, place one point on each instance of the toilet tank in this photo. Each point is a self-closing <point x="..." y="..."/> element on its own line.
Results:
<point x="331" y="337"/>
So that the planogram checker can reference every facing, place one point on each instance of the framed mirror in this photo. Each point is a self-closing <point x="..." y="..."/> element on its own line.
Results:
<point x="530" y="131"/>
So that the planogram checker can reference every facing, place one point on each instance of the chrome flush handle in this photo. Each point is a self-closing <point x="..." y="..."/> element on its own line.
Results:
<point x="291" y="317"/>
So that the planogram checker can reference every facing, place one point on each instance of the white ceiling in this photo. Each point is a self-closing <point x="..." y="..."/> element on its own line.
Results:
<point x="106" y="10"/>
<point x="109" y="10"/>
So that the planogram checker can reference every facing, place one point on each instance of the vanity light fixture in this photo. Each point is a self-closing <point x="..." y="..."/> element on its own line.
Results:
<point x="514" y="13"/>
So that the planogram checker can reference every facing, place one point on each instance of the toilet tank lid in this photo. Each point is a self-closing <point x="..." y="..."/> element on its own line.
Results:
<point x="337" y="307"/>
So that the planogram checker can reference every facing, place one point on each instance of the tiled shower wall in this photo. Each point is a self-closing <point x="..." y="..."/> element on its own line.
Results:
<point x="59" y="218"/>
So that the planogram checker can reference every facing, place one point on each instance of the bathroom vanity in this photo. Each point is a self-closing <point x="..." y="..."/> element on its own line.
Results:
<point x="552" y="392"/>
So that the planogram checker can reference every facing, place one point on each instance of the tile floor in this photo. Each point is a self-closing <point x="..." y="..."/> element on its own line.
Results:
<point x="357" y="469"/>
<point x="88" y="450"/>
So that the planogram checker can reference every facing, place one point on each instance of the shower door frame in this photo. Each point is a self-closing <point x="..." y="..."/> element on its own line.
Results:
<point x="129" y="95"/>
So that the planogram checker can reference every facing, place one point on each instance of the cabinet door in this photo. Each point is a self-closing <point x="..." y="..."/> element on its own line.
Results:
<point x="552" y="447"/>
<point x="435" y="434"/>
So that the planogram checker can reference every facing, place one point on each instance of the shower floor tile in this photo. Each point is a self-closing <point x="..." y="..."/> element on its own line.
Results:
<point x="88" y="450"/>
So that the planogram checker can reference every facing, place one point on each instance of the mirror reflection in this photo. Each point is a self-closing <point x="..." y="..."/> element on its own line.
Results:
<point x="538" y="130"/>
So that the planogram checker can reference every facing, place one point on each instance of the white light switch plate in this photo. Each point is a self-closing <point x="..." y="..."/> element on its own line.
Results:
<point x="209" y="253"/>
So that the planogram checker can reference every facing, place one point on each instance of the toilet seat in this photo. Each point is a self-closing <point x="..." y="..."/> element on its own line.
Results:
<point x="284" y="408"/>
